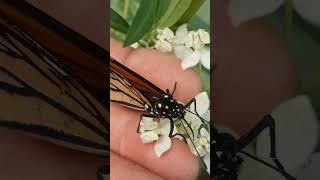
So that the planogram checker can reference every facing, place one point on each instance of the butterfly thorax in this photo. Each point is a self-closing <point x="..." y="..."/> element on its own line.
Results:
<point x="227" y="162"/>
<point x="166" y="107"/>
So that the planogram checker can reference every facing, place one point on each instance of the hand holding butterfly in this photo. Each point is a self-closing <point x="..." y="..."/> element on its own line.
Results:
<point x="129" y="157"/>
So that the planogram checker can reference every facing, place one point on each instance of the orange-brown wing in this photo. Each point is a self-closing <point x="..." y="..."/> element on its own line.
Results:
<point x="121" y="91"/>
<point x="129" y="88"/>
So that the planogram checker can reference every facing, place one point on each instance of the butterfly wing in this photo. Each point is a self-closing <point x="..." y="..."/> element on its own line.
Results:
<point x="40" y="98"/>
<point x="129" y="88"/>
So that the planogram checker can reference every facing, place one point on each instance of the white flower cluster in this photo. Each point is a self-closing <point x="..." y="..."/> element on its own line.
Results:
<point x="151" y="131"/>
<point x="158" y="132"/>
<point x="189" y="46"/>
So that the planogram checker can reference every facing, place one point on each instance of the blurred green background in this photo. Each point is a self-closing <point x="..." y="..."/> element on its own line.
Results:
<point x="128" y="8"/>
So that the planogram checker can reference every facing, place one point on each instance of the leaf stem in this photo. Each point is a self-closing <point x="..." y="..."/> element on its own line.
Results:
<point x="200" y="68"/>
<point x="126" y="9"/>
<point x="309" y="85"/>
<point x="288" y="21"/>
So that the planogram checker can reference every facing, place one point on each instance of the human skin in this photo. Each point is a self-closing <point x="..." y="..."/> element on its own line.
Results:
<point x="254" y="72"/>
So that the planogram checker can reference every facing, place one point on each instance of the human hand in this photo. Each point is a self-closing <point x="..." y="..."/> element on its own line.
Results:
<point x="129" y="157"/>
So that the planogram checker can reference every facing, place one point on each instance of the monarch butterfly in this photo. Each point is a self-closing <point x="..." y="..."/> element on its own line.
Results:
<point x="132" y="90"/>
<point x="49" y="101"/>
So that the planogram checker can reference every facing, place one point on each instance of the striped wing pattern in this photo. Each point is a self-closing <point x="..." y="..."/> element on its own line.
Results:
<point x="123" y="92"/>
<point x="47" y="101"/>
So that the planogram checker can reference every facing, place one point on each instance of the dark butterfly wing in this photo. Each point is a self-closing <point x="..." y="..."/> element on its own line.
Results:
<point x="86" y="60"/>
<point x="47" y="100"/>
<point x="129" y="88"/>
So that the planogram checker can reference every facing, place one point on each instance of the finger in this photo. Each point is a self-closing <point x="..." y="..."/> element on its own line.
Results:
<point x="163" y="70"/>
<point x="117" y="51"/>
<point x="177" y="163"/>
<point x="132" y="170"/>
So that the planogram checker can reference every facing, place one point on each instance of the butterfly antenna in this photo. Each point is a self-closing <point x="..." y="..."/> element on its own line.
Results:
<point x="194" y="145"/>
<point x="202" y="119"/>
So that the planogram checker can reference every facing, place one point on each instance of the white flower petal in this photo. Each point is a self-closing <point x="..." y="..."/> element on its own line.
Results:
<point x="182" y="51"/>
<point x="148" y="137"/>
<point x="164" y="126"/>
<point x="191" y="60"/>
<point x="135" y="45"/>
<point x="203" y="103"/>
<point x="205" y="133"/>
<point x="206" y="160"/>
<point x="148" y="124"/>
<point x="181" y="34"/>
<point x="169" y="35"/>
<point x="206" y="116"/>
<point x="311" y="170"/>
<point x="309" y="10"/>
<point x="195" y="145"/>
<point x="204" y="36"/>
<point x="244" y="10"/>
<point x="163" y="46"/>
<point x="205" y="58"/>
<point x="207" y="146"/>
<point x="188" y="40"/>
<point x="162" y="145"/>
<point x="194" y="121"/>
<point x="197" y="43"/>
<point x="203" y="141"/>
<point x="296" y="132"/>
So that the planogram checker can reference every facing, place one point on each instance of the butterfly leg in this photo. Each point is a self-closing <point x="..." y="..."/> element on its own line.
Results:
<point x="171" y="135"/>
<point x="102" y="173"/>
<point x="194" y="101"/>
<point x="266" y="122"/>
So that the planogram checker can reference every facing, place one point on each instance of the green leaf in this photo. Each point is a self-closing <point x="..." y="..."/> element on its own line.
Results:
<point x="176" y="9"/>
<point x="142" y="22"/>
<point x="202" y="18"/>
<point x="204" y="76"/>
<point x="312" y="30"/>
<point x="191" y="11"/>
<point x="162" y="6"/>
<point x="117" y="22"/>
